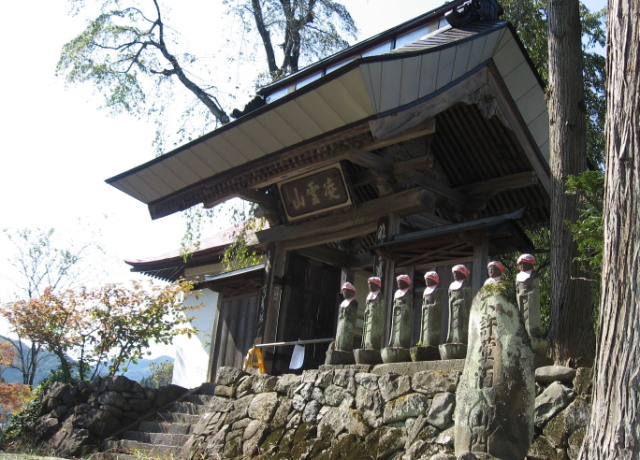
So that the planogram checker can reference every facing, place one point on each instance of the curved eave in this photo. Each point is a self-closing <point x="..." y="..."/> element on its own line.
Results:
<point x="363" y="90"/>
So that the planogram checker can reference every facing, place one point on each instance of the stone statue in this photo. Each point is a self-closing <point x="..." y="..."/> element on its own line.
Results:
<point x="459" y="306"/>
<point x="347" y="318"/>
<point x="496" y="394"/>
<point x="347" y="313"/>
<point x="373" y="323"/>
<point x="427" y="348"/>
<point x="495" y="269"/>
<point x="402" y="312"/>
<point x="528" y="298"/>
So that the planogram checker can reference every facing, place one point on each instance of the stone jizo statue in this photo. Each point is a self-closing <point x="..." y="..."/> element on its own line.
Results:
<point x="459" y="306"/>
<point x="373" y="316"/>
<point x="528" y="299"/>
<point x="495" y="270"/>
<point x="431" y="311"/>
<point x="347" y="318"/>
<point x="402" y="312"/>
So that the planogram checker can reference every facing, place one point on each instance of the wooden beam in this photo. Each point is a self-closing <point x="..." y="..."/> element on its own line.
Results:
<point x="370" y="160"/>
<point x="423" y="162"/>
<point x="398" y="123"/>
<point x="263" y="199"/>
<point x="404" y="203"/>
<point x="425" y="128"/>
<point x="359" y="261"/>
<point x="500" y="184"/>
<point x="327" y="255"/>
<point x="330" y="237"/>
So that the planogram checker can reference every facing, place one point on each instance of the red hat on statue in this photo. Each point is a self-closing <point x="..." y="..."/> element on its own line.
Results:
<point x="462" y="269"/>
<point x="348" y="286"/>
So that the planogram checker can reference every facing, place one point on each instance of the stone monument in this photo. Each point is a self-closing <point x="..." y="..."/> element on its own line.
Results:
<point x="459" y="306"/>
<point x="347" y="313"/>
<point x="400" y="339"/>
<point x="373" y="323"/>
<point x="427" y="348"/>
<point x="528" y="298"/>
<point x="496" y="394"/>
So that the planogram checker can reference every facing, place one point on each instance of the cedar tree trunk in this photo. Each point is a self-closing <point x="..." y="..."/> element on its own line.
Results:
<point x="614" y="429"/>
<point x="571" y="334"/>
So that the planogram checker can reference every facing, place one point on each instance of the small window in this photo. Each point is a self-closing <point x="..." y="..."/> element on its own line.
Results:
<point x="380" y="49"/>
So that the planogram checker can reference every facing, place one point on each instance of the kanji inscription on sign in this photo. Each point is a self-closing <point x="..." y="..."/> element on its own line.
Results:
<point x="314" y="193"/>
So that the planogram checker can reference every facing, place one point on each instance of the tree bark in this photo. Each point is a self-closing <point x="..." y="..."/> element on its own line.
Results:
<point x="571" y="334"/>
<point x="614" y="429"/>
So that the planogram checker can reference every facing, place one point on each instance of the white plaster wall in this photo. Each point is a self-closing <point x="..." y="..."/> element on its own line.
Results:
<point x="192" y="354"/>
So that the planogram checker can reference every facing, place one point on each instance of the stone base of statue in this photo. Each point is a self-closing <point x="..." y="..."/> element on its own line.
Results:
<point x="339" y="357"/>
<point x="367" y="356"/>
<point x="425" y="353"/>
<point x="453" y="351"/>
<point x="395" y="355"/>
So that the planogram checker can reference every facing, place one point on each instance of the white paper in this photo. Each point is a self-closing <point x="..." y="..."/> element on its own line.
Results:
<point x="297" y="358"/>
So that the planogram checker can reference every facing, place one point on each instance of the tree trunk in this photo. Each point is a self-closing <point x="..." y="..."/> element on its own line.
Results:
<point x="571" y="334"/>
<point x="614" y="429"/>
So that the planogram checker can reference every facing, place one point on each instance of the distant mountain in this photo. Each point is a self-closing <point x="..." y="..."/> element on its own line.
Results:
<point x="50" y="362"/>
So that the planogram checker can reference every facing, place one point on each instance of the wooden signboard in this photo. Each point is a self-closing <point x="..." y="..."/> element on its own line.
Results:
<point x="314" y="193"/>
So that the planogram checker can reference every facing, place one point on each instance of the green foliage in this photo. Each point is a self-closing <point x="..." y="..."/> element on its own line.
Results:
<point x="588" y="230"/>
<point x="111" y="326"/>
<point x="239" y="254"/>
<point x="161" y="374"/>
<point x="529" y="18"/>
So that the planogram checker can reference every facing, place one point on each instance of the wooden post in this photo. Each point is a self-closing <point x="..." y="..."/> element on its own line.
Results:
<point x="273" y="297"/>
<point x="480" y="261"/>
<point x="387" y="227"/>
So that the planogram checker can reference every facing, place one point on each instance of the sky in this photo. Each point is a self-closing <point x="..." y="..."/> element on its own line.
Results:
<point x="57" y="148"/>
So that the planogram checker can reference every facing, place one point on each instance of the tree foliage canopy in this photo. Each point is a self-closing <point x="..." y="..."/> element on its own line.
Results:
<point x="107" y="327"/>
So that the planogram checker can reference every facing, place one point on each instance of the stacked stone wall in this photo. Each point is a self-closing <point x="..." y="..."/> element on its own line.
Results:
<point x="332" y="414"/>
<point x="75" y="419"/>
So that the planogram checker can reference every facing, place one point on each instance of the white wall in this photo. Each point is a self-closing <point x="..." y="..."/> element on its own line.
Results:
<point x="192" y="354"/>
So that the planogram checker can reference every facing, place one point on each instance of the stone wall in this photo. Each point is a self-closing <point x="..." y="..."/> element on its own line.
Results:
<point x="75" y="419"/>
<point x="341" y="413"/>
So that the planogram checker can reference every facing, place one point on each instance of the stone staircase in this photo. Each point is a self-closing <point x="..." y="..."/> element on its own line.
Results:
<point x="162" y="435"/>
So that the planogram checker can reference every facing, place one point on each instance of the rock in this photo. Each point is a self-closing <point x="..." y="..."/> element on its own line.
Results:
<point x="549" y="374"/>
<point x="370" y="404"/>
<point x="582" y="383"/>
<point x="542" y="448"/>
<point x="334" y="395"/>
<point x="100" y="422"/>
<point x="305" y="431"/>
<point x="252" y="437"/>
<point x="70" y="443"/>
<point x="552" y="400"/>
<point x="325" y="378"/>
<point x="263" y="406"/>
<point x="114" y="410"/>
<point x="217" y="404"/>
<point x="310" y="413"/>
<point x="443" y="457"/>
<point x="393" y="386"/>
<point x="342" y="419"/>
<point x="419" y="449"/>
<point x="140" y="405"/>
<point x="45" y="426"/>
<point x="434" y="382"/>
<point x="245" y="386"/>
<point x="368" y="381"/>
<point x="270" y="444"/>
<point x="286" y="383"/>
<point x="404" y="407"/>
<point x="279" y="419"/>
<point x="575" y="443"/>
<point x="303" y="450"/>
<point x="209" y="423"/>
<point x="564" y="424"/>
<point x="241" y="424"/>
<point x="57" y="390"/>
<point x="59" y="412"/>
<point x="318" y="395"/>
<point x="496" y="395"/>
<point x="225" y="391"/>
<point x="233" y="444"/>
<point x="447" y="437"/>
<point x="298" y="403"/>
<point x="295" y="420"/>
<point x="391" y="440"/>
<point x="441" y="411"/>
<point x="240" y="408"/>
<point x="264" y="383"/>
<point x="229" y="375"/>
<point x="345" y="378"/>
<point x="347" y="448"/>
<point x="310" y="376"/>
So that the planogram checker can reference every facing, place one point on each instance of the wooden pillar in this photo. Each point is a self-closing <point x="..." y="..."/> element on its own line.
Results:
<point x="273" y="298"/>
<point x="387" y="227"/>
<point x="480" y="261"/>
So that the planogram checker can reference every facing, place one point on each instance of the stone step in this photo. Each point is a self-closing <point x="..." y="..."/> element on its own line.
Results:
<point x="207" y="388"/>
<point x="188" y="408"/>
<point x="164" y="427"/>
<point x="144" y="450"/>
<point x="177" y="418"/>
<point x="161" y="439"/>
<point x="200" y="399"/>
<point x="113" y="456"/>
